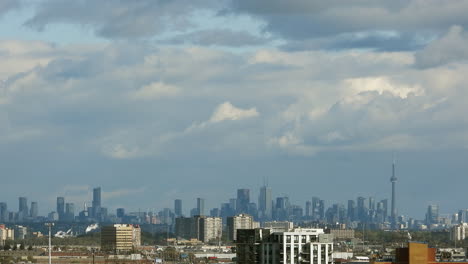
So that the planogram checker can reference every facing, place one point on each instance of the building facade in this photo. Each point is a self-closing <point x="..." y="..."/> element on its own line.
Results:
<point x="120" y="237"/>
<point x="295" y="246"/>
<point x="198" y="227"/>
<point x="234" y="223"/>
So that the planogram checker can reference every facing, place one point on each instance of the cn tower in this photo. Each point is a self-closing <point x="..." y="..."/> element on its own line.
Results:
<point x="393" y="180"/>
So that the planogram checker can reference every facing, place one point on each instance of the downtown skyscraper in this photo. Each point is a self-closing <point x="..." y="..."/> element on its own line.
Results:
<point x="265" y="203"/>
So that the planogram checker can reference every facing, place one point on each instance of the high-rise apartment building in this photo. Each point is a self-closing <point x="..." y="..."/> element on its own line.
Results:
<point x="120" y="237"/>
<point x="178" y="208"/>
<point x="459" y="232"/>
<point x="6" y="234"/>
<point x="199" y="227"/>
<point x="234" y="223"/>
<point x="243" y="200"/>
<point x="292" y="247"/>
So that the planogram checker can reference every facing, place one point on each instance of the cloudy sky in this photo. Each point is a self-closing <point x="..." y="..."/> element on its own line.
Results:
<point x="155" y="100"/>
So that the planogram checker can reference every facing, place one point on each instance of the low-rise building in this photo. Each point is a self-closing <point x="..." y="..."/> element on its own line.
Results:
<point x="339" y="234"/>
<point x="278" y="226"/>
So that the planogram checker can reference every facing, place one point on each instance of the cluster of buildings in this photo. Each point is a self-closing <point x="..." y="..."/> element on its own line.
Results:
<point x="65" y="212"/>
<point x="17" y="232"/>
<point x="362" y="212"/>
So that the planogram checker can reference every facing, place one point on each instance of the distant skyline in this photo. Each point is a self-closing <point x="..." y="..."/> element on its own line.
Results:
<point x="333" y="193"/>
<point x="156" y="100"/>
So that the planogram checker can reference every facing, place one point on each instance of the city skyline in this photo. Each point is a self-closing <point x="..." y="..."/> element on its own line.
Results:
<point x="242" y="201"/>
<point x="155" y="100"/>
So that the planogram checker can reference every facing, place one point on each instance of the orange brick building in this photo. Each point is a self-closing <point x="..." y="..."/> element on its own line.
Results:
<point x="416" y="253"/>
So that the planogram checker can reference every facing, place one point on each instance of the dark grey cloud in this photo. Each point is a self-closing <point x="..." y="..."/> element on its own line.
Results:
<point x="300" y="20"/>
<point x="218" y="37"/>
<point x="124" y="19"/>
<point x="379" y="41"/>
<point x="8" y="5"/>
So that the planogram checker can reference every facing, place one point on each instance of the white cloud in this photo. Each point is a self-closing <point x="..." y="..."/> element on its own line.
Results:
<point x="156" y="90"/>
<point x="226" y="111"/>
<point x="381" y="84"/>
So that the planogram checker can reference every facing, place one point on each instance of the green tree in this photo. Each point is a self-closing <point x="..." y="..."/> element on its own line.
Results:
<point x="21" y="246"/>
<point x="7" y="246"/>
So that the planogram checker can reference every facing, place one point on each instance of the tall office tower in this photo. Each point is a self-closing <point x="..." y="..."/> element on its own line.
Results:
<point x="361" y="209"/>
<point x="321" y="209"/>
<point x="393" y="180"/>
<point x="462" y="216"/>
<point x="70" y="212"/>
<point x="23" y="208"/>
<point x="265" y="203"/>
<point x="61" y="208"/>
<point x="200" y="206"/>
<point x="385" y="209"/>
<point x="34" y="211"/>
<point x="3" y="212"/>
<point x="371" y="203"/>
<point x="178" y="207"/>
<point x="243" y="200"/>
<point x="120" y="212"/>
<point x="351" y="210"/>
<point x="225" y="211"/>
<point x="308" y="210"/>
<point x="232" y="206"/>
<point x="432" y="215"/>
<point x="215" y="212"/>
<point x="282" y="208"/>
<point x="96" y="211"/>
<point x="315" y="208"/>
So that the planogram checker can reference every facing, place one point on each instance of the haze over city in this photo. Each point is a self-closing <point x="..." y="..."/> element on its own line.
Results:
<point x="161" y="100"/>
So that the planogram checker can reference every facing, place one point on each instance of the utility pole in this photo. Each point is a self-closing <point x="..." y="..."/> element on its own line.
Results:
<point x="50" y="225"/>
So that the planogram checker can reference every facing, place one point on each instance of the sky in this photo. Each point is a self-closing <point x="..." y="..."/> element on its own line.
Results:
<point x="155" y="100"/>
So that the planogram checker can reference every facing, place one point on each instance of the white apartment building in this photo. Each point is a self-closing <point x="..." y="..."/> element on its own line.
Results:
<point x="211" y="228"/>
<point x="459" y="232"/>
<point x="296" y="246"/>
<point x="6" y="234"/>
<point x="241" y="221"/>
